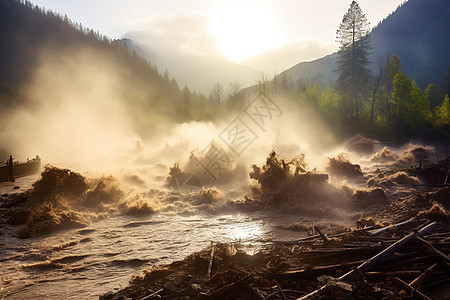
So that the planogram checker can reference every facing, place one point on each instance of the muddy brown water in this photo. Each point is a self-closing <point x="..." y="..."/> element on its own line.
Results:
<point x="87" y="262"/>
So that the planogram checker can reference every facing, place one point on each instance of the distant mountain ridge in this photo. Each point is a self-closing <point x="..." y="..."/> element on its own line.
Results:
<point x="417" y="32"/>
<point x="200" y="73"/>
<point x="41" y="49"/>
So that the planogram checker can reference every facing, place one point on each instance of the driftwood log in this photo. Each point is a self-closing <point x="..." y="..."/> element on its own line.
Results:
<point x="377" y="259"/>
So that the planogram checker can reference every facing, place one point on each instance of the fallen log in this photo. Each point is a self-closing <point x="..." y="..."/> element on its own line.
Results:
<point x="388" y="251"/>
<point x="408" y="258"/>
<point x="281" y="290"/>
<point x="383" y="275"/>
<point x="394" y="226"/>
<point x="416" y="283"/>
<point x="415" y="292"/>
<point x="211" y="258"/>
<point x="316" y="271"/>
<point x="375" y="259"/>
<point x="428" y="258"/>
<point x="424" y="276"/>
<point x="324" y="237"/>
<point x="152" y="294"/>
<point x="430" y="248"/>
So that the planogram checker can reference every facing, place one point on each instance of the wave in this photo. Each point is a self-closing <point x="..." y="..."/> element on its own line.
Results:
<point x="131" y="263"/>
<point x="372" y="175"/>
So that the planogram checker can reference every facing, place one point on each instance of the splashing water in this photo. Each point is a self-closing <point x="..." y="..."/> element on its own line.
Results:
<point x="85" y="263"/>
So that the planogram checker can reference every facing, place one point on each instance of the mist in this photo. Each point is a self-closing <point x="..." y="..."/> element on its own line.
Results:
<point x="156" y="145"/>
<point x="73" y="112"/>
<point x="77" y="113"/>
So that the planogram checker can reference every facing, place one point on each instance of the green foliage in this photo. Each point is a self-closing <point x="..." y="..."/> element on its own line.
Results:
<point x="313" y="94"/>
<point x="402" y="88"/>
<point x="442" y="113"/>
<point x="403" y="114"/>
<point x="433" y="94"/>
<point x="413" y="111"/>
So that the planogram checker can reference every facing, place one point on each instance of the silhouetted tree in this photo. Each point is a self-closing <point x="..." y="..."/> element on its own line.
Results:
<point x="234" y="88"/>
<point x="353" y="60"/>
<point x="264" y="84"/>
<point x="218" y="93"/>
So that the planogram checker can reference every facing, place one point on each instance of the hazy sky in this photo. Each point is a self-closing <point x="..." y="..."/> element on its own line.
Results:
<point x="260" y="33"/>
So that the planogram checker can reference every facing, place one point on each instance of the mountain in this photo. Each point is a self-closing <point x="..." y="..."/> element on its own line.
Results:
<point x="417" y="32"/>
<point x="320" y="70"/>
<point x="47" y="60"/>
<point x="199" y="72"/>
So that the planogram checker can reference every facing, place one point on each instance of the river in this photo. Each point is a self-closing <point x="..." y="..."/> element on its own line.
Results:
<point x="85" y="263"/>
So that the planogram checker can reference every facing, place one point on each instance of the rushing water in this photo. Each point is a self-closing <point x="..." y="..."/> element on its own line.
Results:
<point x="85" y="263"/>
<point x="88" y="262"/>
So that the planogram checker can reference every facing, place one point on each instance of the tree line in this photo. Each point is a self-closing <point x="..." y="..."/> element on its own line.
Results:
<point x="26" y="30"/>
<point x="387" y="105"/>
<point x="388" y="102"/>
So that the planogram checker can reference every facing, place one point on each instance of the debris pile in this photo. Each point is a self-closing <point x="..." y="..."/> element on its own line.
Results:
<point x="289" y="187"/>
<point x="399" y="252"/>
<point x="63" y="199"/>
<point x="377" y="260"/>
<point x="340" y="167"/>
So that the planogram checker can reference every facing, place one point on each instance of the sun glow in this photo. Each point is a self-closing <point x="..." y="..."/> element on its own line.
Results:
<point x="244" y="29"/>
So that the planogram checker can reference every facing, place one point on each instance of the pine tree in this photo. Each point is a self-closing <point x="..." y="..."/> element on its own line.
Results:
<point x="353" y="60"/>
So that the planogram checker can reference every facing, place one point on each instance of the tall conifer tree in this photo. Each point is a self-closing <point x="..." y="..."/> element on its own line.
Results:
<point x="353" y="60"/>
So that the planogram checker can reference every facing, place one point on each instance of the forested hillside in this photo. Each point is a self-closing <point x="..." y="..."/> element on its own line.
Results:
<point x="417" y="32"/>
<point x="47" y="59"/>
<point x="32" y="37"/>
<point x="371" y="88"/>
